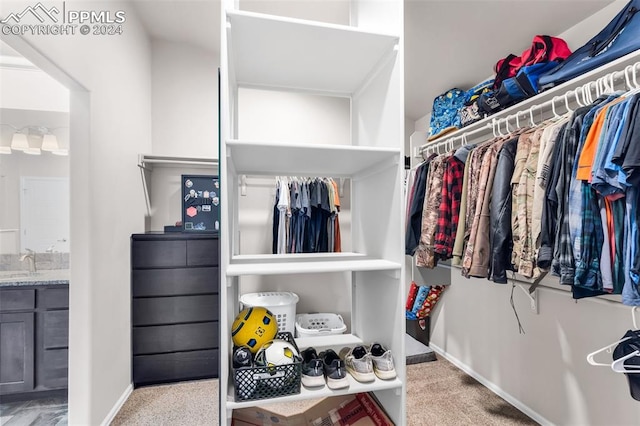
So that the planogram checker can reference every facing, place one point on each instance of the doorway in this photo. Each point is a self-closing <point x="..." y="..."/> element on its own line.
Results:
<point x="44" y="214"/>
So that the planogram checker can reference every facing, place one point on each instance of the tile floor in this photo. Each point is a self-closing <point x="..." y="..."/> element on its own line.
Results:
<point x="40" y="412"/>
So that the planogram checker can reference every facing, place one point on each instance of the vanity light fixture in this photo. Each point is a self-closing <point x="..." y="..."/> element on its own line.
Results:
<point x="32" y="151"/>
<point x="49" y="143"/>
<point x="19" y="142"/>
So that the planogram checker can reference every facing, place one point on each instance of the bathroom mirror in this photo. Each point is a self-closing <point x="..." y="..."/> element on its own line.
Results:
<point x="34" y="166"/>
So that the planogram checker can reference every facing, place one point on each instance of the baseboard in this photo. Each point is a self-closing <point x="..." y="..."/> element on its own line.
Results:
<point x="491" y="386"/>
<point x="118" y="405"/>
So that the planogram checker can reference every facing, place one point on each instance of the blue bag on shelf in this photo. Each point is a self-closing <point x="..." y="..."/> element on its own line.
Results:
<point x="620" y="37"/>
<point x="444" y="115"/>
<point x="513" y="90"/>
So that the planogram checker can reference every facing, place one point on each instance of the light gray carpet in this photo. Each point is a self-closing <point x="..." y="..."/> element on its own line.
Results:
<point x="438" y="393"/>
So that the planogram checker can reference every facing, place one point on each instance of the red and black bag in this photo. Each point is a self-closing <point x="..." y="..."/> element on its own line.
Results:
<point x="543" y="49"/>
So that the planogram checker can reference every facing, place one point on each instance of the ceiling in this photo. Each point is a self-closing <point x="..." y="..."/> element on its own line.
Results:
<point x="448" y="43"/>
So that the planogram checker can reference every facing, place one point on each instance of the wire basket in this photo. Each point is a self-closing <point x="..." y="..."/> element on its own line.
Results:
<point x="310" y="325"/>
<point x="281" y="304"/>
<point x="253" y="383"/>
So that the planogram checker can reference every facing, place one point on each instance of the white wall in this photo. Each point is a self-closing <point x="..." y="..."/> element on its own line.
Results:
<point x="185" y="100"/>
<point x="32" y="89"/>
<point x="545" y="369"/>
<point x="185" y="120"/>
<point x="106" y="198"/>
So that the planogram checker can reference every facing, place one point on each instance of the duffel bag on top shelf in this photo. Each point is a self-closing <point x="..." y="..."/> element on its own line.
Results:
<point x="620" y="37"/>
<point x="543" y="49"/>
<point x="513" y="90"/>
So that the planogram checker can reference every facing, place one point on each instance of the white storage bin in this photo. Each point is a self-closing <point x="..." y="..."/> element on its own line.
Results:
<point x="311" y="325"/>
<point x="282" y="304"/>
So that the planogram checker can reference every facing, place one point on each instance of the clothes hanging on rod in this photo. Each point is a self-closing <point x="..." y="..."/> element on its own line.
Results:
<point x="572" y="198"/>
<point x="305" y="216"/>
<point x="415" y="205"/>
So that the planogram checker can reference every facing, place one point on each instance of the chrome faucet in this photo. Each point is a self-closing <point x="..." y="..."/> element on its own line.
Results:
<point x="31" y="256"/>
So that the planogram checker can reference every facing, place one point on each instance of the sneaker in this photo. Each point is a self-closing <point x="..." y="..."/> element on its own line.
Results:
<point x="312" y="369"/>
<point x="382" y="362"/>
<point x="334" y="370"/>
<point x="359" y="364"/>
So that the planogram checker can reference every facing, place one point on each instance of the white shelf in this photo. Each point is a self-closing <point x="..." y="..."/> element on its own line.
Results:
<point x="277" y="264"/>
<point x="309" y="55"/>
<point x="307" y="160"/>
<point x="354" y="387"/>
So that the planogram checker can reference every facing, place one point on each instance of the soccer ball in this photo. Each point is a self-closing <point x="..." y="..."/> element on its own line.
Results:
<point x="277" y="352"/>
<point x="253" y="327"/>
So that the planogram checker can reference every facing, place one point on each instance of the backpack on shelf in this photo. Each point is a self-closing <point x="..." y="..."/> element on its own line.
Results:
<point x="444" y="115"/>
<point x="620" y="37"/>
<point x="543" y="49"/>
<point x="470" y="113"/>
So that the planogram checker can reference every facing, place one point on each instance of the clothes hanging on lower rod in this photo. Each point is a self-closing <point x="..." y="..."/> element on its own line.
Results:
<point x="305" y="216"/>
<point x="559" y="197"/>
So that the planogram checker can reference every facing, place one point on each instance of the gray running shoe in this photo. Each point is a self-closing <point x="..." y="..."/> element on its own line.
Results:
<point x="312" y="369"/>
<point x="359" y="364"/>
<point x="383" y="364"/>
<point x="334" y="370"/>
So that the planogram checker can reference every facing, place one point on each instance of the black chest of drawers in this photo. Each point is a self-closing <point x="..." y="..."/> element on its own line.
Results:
<point x="175" y="307"/>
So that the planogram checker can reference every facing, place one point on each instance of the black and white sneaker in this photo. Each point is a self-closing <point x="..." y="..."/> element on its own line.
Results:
<point x="335" y="371"/>
<point x="312" y="369"/>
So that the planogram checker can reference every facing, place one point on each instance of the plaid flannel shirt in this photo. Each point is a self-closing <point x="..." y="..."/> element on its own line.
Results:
<point x="448" y="213"/>
<point x="425" y="256"/>
<point x="587" y="271"/>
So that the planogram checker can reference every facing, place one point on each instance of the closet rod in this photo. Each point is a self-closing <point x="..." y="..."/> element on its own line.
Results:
<point x="489" y="124"/>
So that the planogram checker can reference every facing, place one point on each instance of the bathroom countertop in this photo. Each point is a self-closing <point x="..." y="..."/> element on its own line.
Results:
<point x="24" y="278"/>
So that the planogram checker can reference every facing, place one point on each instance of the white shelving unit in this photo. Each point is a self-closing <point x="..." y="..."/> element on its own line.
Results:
<point x="364" y="62"/>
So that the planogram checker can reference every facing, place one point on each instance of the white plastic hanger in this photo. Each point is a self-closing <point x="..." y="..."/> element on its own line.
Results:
<point x="627" y="78"/>
<point x="608" y="349"/>
<point x="566" y="102"/>
<point x="575" y="94"/>
<point x="556" y="116"/>
<point x="634" y="77"/>
<point x="533" y="123"/>
<point x="506" y="124"/>
<point x="619" y="367"/>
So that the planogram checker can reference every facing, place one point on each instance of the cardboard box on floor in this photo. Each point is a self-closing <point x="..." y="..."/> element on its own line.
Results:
<point x="349" y="410"/>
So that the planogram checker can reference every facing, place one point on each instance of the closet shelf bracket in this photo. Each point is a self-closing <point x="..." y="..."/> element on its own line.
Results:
<point x="533" y="298"/>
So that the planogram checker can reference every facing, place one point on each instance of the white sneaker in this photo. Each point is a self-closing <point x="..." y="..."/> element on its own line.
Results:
<point x="359" y="364"/>
<point x="383" y="365"/>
